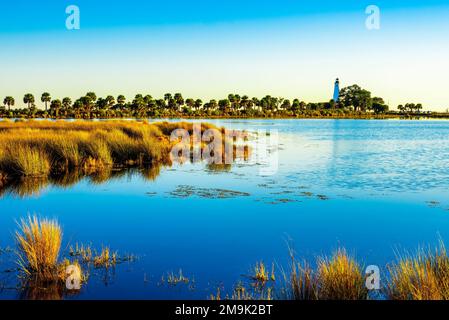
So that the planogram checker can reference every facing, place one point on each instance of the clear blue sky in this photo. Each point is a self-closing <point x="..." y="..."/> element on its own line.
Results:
<point x="207" y="49"/>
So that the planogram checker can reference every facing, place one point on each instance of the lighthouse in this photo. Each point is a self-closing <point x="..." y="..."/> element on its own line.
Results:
<point x="337" y="90"/>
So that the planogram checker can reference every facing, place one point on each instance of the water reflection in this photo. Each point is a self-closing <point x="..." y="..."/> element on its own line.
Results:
<point x="34" y="289"/>
<point x="31" y="187"/>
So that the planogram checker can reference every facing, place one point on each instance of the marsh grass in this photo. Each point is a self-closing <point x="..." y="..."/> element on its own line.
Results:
<point x="24" y="160"/>
<point x="262" y="274"/>
<point x="106" y="258"/>
<point x="35" y="148"/>
<point x="340" y="277"/>
<point x="422" y="276"/>
<point x="300" y="282"/>
<point x="39" y="243"/>
<point x="175" y="279"/>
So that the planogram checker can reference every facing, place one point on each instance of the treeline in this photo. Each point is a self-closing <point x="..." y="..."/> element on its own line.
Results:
<point x="353" y="100"/>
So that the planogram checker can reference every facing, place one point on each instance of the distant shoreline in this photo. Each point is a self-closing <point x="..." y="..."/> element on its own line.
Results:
<point x="365" y="116"/>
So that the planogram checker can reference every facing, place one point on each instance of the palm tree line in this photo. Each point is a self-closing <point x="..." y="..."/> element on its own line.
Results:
<point x="352" y="99"/>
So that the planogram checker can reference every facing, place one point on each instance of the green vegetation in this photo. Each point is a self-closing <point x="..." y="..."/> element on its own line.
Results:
<point x="354" y="102"/>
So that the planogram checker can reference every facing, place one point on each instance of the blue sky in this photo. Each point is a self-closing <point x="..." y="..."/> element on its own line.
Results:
<point x="210" y="48"/>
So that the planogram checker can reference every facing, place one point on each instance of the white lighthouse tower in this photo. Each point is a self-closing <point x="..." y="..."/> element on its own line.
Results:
<point x="337" y="91"/>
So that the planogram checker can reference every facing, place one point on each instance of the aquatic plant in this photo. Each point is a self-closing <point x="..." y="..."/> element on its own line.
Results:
<point x="261" y="273"/>
<point x="422" y="276"/>
<point x="39" y="243"/>
<point x="340" y="277"/>
<point x="300" y="282"/>
<point x="105" y="258"/>
<point x="175" y="279"/>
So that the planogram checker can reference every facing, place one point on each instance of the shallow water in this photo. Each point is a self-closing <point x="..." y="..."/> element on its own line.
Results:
<point x="374" y="187"/>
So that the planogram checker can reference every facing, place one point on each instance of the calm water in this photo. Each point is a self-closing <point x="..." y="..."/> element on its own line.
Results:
<point x="371" y="186"/>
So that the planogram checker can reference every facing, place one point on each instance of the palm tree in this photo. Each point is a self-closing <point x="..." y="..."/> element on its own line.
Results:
<point x="198" y="104"/>
<point x="56" y="106"/>
<point x="66" y="105"/>
<point x="9" y="101"/>
<point x="121" y="100"/>
<point x="78" y="107"/>
<point x="419" y="107"/>
<point x="45" y="98"/>
<point x="87" y="103"/>
<point x="110" y="102"/>
<point x="167" y="97"/>
<point x="139" y="106"/>
<point x="179" y="100"/>
<point x="29" y="100"/>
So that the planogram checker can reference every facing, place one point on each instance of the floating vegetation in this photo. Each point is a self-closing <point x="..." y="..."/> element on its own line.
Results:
<point x="185" y="191"/>
<point x="433" y="203"/>
<point x="282" y="192"/>
<point x="283" y="200"/>
<point x="306" y="194"/>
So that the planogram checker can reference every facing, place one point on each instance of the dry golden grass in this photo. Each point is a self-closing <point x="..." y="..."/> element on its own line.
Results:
<point x="300" y="282"/>
<point x="34" y="148"/>
<point x="105" y="259"/>
<point x="423" y="276"/>
<point x="340" y="278"/>
<point x="23" y="160"/>
<point x="262" y="274"/>
<point x="39" y="243"/>
<point x="175" y="279"/>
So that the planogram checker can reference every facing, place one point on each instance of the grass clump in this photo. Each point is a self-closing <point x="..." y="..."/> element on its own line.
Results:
<point x="24" y="160"/>
<point x="301" y="283"/>
<point x="423" y="276"/>
<point x="262" y="274"/>
<point x="39" y="243"/>
<point x="340" y="278"/>
<point x="105" y="258"/>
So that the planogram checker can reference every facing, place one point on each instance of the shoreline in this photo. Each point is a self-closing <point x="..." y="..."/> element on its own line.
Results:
<point x="183" y="117"/>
